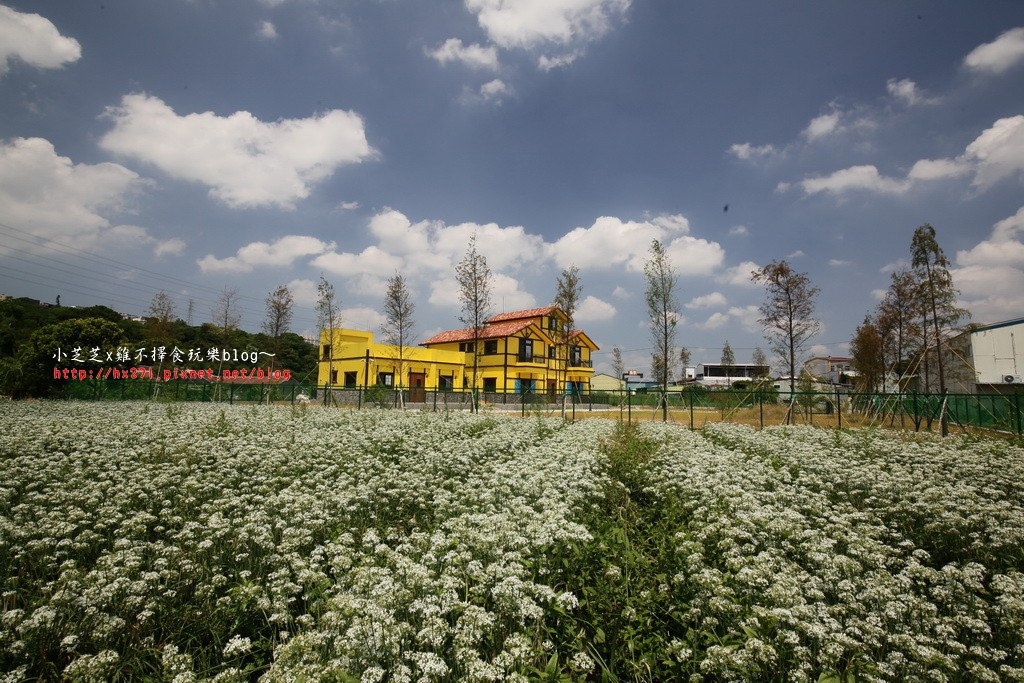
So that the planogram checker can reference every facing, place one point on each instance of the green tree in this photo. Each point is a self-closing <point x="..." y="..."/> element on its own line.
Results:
<point x="663" y="316"/>
<point x="868" y="351"/>
<point x="37" y="357"/>
<point x="728" y="358"/>
<point x="398" y="324"/>
<point x="568" y="291"/>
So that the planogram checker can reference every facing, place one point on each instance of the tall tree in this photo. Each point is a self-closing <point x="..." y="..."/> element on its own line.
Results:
<point x="474" y="280"/>
<point x="868" y="352"/>
<point x="162" y="307"/>
<point x="896" y="318"/>
<point x="226" y="317"/>
<point x="759" y="358"/>
<point x="398" y="323"/>
<point x="932" y="269"/>
<point x="618" y="365"/>
<point x="663" y="314"/>
<point x="728" y="358"/>
<point x="684" y="357"/>
<point x="326" y="320"/>
<point x="280" y="311"/>
<point x="787" y="313"/>
<point x="568" y="290"/>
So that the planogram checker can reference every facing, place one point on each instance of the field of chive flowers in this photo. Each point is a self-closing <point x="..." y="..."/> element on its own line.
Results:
<point x="186" y="542"/>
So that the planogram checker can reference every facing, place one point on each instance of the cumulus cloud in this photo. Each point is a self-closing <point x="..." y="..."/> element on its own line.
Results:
<point x="348" y="206"/>
<point x="533" y="23"/>
<point x="990" y="275"/>
<point x="714" y="321"/>
<point x="839" y="263"/>
<point x="361" y="318"/>
<point x="935" y="169"/>
<point x="747" y="151"/>
<point x="620" y="293"/>
<point x="54" y="198"/>
<point x="747" y="316"/>
<point x="739" y="275"/>
<point x="171" y="247"/>
<point x="1002" y="54"/>
<point x="34" y="40"/>
<point x="473" y="56"/>
<point x="739" y="230"/>
<point x="712" y="300"/>
<point x="303" y="291"/>
<point x="854" y="178"/>
<point x="244" y="161"/>
<point x="547" y="63"/>
<point x="281" y="253"/>
<point x="593" y="309"/>
<point x="998" y="152"/>
<point x="611" y="242"/>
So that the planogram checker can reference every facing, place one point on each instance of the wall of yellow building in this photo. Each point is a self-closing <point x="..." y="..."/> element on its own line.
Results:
<point x="354" y="351"/>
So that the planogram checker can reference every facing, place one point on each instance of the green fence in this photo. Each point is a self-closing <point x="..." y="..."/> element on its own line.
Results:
<point x="693" y="405"/>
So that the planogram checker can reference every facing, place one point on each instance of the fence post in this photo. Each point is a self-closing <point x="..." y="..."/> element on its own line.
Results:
<point x="1016" y="405"/>
<point x="839" y="411"/>
<point x="629" y="399"/>
<point x="690" y="396"/>
<point x="760" y="410"/>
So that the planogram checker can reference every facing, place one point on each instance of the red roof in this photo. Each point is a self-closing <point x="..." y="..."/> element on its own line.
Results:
<point x="519" y="315"/>
<point x="502" y="329"/>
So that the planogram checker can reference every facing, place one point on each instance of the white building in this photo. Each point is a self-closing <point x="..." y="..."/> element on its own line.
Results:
<point x="998" y="354"/>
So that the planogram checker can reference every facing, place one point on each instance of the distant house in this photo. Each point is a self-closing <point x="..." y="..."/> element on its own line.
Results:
<point x="831" y="369"/>
<point x="605" y="382"/>
<point x="723" y="376"/>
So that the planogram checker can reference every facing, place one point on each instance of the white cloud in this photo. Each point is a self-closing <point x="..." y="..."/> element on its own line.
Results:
<point x="747" y="317"/>
<point x="267" y="30"/>
<point x="879" y="294"/>
<point x="171" y="247"/>
<point x="998" y="152"/>
<point x="739" y="230"/>
<point x="839" y="263"/>
<point x="893" y="266"/>
<point x="935" y="169"/>
<point x="473" y="56"/>
<point x="495" y="91"/>
<point x="507" y="292"/>
<point x="748" y="151"/>
<point x="282" y="253"/>
<point x="1000" y="55"/>
<point x="990" y="275"/>
<point x="361" y="318"/>
<point x="348" y="206"/>
<point x="739" y="275"/>
<point x="907" y="92"/>
<point x="821" y="126"/>
<point x="54" y="198"/>
<point x="546" y="63"/>
<point x="712" y="300"/>
<point x="372" y="261"/>
<point x="611" y="242"/>
<point x="532" y="23"/>
<point x="796" y="254"/>
<point x="303" y="291"/>
<point x="593" y="309"/>
<point x="34" y="40"/>
<point x="853" y="179"/>
<point x="620" y="293"/>
<point x="244" y="161"/>
<point x="714" y="321"/>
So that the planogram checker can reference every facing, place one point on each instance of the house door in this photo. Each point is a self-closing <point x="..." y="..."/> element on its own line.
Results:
<point x="417" y="392"/>
<point x="552" y="388"/>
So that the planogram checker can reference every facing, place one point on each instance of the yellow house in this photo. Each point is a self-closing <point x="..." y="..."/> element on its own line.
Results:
<point x="519" y="351"/>
<point x="350" y="358"/>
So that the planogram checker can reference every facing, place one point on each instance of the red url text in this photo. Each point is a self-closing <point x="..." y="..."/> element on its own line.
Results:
<point x="170" y="374"/>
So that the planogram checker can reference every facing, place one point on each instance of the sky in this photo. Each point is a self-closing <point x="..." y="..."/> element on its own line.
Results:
<point x="196" y="145"/>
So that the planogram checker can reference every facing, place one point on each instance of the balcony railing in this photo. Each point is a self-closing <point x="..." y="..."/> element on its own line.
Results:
<point x="527" y="358"/>
<point x="579" y="363"/>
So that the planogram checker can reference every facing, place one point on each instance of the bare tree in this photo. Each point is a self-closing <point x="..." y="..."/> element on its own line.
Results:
<point x="618" y="366"/>
<point x="226" y="317"/>
<point x="759" y="358"/>
<point x="474" y="280"/>
<point x="787" y="313"/>
<point x="280" y="311"/>
<point x="162" y="308"/>
<point x="569" y="289"/>
<point x="932" y="269"/>
<point x="398" y="323"/>
<point x="327" y="319"/>
<point x="684" y="361"/>
<point x="663" y="314"/>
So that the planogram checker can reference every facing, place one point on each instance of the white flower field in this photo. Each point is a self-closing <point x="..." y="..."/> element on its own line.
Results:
<point x="186" y="542"/>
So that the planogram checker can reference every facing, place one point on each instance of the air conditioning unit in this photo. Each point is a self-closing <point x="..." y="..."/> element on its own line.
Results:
<point x="1013" y="379"/>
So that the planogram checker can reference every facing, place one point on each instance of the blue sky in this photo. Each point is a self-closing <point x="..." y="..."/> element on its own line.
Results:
<point x="192" y="145"/>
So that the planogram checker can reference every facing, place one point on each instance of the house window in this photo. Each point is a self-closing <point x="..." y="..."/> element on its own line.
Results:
<point x="468" y="347"/>
<point x="490" y="347"/>
<point x="525" y="350"/>
<point x="350" y="379"/>
<point x="334" y="376"/>
<point x="575" y="356"/>
<point x="445" y="382"/>
<point x="525" y="386"/>
<point x="551" y="351"/>
<point x="386" y="379"/>
<point x="552" y="323"/>
<point x="490" y="383"/>
<point x="326" y="352"/>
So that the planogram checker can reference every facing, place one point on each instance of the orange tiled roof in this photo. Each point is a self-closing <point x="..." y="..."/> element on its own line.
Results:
<point x="501" y="329"/>
<point x="519" y="315"/>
